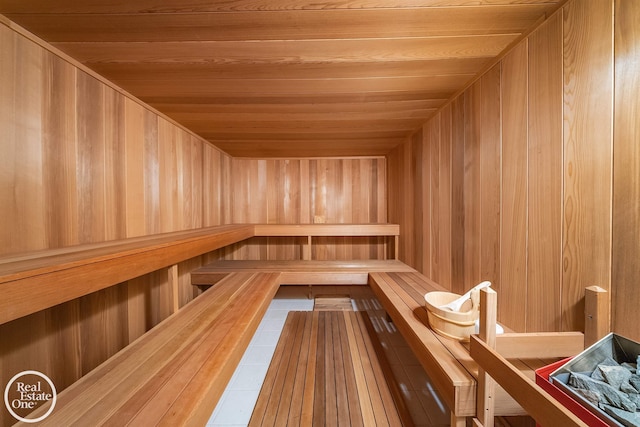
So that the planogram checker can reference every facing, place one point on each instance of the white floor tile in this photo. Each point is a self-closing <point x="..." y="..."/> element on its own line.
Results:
<point x="249" y="377"/>
<point x="236" y="409"/>
<point x="269" y="338"/>
<point x="271" y="325"/>
<point x="258" y="354"/>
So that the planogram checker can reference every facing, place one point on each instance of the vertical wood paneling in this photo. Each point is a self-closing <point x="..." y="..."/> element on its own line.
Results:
<point x="290" y="191"/>
<point x="531" y="145"/>
<point x="60" y="152"/>
<point x="421" y="192"/>
<point x="626" y="184"/>
<point x="63" y="329"/>
<point x="21" y="96"/>
<point x="472" y="184"/>
<point x="91" y="159"/>
<point x="114" y="165"/>
<point x="490" y="177"/>
<point x="431" y="200"/>
<point x="513" y="242"/>
<point x="544" y="249"/>
<point x="588" y="109"/>
<point x="457" y="195"/>
<point x="444" y="197"/>
<point x="103" y="325"/>
<point x="27" y="337"/>
<point x="167" y="175"/>
<point x="134" y="174"/>
<point x="151" y="165"/>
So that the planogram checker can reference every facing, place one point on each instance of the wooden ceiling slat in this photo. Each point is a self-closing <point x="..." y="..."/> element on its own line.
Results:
<point x="181" y="6"/>
<point x="306" y="148"/>
<point x="231" y="117"/>
<point x="292" y="87"/>
<point x="395" y="107"/>
<point x="284" y="25"/>
<point x="344" y="70"/>
<point x="301" y="127"/>
<point x="302" y="136"/>
<point x="286" y="52"/>
<point x="292" y="99"/>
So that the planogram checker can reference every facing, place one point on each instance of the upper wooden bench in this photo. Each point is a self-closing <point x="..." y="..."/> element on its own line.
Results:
<point x="38" y="280"/>
<point x="175" y="373"/>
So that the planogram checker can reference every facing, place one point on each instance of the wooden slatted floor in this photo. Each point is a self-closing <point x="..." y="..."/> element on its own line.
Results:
<point x="325" y="371"/>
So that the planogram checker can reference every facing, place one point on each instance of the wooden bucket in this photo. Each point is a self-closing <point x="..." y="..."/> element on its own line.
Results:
<point x="452" y="324"/>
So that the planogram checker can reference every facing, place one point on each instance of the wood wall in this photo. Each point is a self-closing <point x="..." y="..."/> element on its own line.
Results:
<point x="83" y="162"/>
<point x="537" y="182"/>
<point x="308" y="191"/>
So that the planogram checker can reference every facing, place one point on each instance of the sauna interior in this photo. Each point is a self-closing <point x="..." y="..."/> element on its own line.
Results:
<point x="457" y="141"/>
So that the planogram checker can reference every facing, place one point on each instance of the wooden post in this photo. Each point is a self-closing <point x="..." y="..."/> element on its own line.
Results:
<point x="396" y="247"/>
<point x="175" y="288"/>
<point x="486" y="385"/>
<point x="597" y="312"/>
<point x="306" y="250"/>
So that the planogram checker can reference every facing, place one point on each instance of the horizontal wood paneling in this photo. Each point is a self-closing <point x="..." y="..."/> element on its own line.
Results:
<point x="173" y="6"/>
<point x="282" y="25"/>
<point x="533" y="166"/>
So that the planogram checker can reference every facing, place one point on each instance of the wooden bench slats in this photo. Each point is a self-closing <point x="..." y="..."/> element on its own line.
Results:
<point x="31" y="285"/>
<point x="128" y="360"/>
<point x="456" y="385"/>
<point x="216" y="365"/>
<point x="38" y="280"/>
<point x="381" y="399"/>
<point x="328" y="230"/>
<point x="177" y="371"/>
<point x="122" y="376"/>
<point x="301" y="272"/>
<point x="182" y="369"/>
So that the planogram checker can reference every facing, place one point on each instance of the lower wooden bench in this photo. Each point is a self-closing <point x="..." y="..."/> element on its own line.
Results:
<point x="298" y="272"/>
<point x="175" y="373"/>
<point x="448" y="362"/>
<point x="327" y="371"/>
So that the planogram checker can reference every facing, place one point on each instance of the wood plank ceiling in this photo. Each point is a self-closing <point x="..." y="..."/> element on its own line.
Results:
<point x="263" y="78"/>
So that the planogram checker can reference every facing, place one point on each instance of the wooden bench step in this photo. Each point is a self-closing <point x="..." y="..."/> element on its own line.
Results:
<point x="175" y="373"/>
<point x="326" y="371"/>
<point x="301" y="272"/>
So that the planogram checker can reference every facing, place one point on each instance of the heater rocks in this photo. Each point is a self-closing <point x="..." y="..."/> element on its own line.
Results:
<point x="614" y="388"/>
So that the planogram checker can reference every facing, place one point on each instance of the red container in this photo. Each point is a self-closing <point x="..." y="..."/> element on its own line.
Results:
<point x="542" y="379"/>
